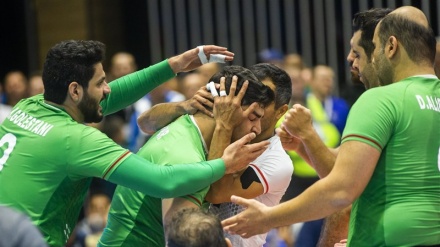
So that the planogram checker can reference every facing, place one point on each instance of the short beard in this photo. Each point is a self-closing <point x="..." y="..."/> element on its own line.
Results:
<point x="355" y="79"/>
<point x="89" y="109"/>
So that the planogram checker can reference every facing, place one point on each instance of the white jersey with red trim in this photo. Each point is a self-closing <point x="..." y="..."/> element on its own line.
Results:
<point x="274" y="169"/>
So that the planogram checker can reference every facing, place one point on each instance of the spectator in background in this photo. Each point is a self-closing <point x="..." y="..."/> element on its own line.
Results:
<point x="89" y="229"/>
<point x="190" y="83"/>
<point x="321" y="101"/>
<point x="293" y="60"/>
<point x="15" y="87"/>
<point x="194" y="227"/>
<point x="304" y="175"/>
<point x="36" y="85"/>
<point x="122" y="63"/>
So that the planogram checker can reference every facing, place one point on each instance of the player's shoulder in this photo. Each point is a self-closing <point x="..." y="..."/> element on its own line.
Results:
<point x="274" y="156"/>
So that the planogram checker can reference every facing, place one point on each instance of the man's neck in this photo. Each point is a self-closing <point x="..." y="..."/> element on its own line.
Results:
<point x="206" y="125"/>
<point x="71" y="110"/>
<point x="417" y="70"/>
<point x="264" y="135"/>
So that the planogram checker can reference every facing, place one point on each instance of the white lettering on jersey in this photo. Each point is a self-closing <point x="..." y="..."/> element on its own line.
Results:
<point x="429" y="102"/>
<point x="27" y="122"/>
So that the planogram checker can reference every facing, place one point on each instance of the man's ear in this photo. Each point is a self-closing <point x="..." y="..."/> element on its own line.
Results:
<point x="391" y="46"/>
<point x="75" y="91"/>
<point x="281" y="111"/>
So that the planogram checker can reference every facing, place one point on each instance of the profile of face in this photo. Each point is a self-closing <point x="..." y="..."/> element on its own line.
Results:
<point x="350" y="59"/>
<point x="362" y="64"/>
<point x="97" y="90"/>
<point x="249" y="124"/>
<point x="269" y="120"/>
<point x="382" y="66"/>
<point x="322" y="81"/>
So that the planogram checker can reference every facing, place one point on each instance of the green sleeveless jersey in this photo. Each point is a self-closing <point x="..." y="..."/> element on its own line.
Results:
<point x="135" y="219"/>
<point x="401" y="204"/>
<point x="47" y="159"/>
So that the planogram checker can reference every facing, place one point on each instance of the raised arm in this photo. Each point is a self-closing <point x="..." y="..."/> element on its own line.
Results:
<point x="162" y="114"/>
<point x="128" y="89"/>
<point x="298" y="125"/>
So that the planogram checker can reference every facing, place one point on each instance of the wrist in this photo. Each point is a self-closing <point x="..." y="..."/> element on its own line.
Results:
<point x="307" y="135"/>
<point x="185" y="107"/>
<point x="174" y="64"/>
<point x="223" y="127"/>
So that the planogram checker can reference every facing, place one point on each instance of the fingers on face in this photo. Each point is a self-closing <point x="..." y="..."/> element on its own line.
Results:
<point x="251" y="108"/>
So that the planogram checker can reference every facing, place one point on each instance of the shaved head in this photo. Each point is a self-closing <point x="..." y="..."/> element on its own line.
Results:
<point x="413" y="14"/>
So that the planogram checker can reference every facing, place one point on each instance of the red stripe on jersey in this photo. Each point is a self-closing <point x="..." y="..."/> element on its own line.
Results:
<point x="365" y="138"/>
<point x="116" y="162"/>
<point x="195" y="199"/>
<point x="262" y="175"/>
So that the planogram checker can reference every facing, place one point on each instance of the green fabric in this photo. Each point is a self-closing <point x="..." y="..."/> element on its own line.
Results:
<point x="128" y="89"/>
<point x="49" y="158"/>
<point x="135" y="219"/>
<point x="50" y="163"/>
<point x="400" y="205"/>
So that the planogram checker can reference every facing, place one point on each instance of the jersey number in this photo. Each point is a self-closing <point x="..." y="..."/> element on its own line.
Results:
<point x="11" y="140"/>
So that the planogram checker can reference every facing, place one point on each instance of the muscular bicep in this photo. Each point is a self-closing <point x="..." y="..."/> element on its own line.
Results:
<point x="354" y="167"/>
<point x="246" y="184"/>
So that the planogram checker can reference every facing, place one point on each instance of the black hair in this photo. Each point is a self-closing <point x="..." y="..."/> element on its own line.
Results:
<point x="366" y="22"/>
<point x="256" y="91"/>
<point x="279" y="77"/>
<point x="69" y="61"/>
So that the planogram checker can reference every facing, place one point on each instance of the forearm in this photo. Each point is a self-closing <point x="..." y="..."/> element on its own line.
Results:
<point x="335" y="228"/>
<point x="320" y="157"/>
<point x="316" y="202"/>
<point x="128" y="89"/>
<point x="166" y="181"/>
<point x="160" y="115"/>
<point x="221" y="138"/>
<point x="219" y="191"/>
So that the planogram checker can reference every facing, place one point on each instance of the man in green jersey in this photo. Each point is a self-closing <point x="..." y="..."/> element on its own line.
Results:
<point x="388" y="162"/>
<point x="135" y="218"/>
<point x="49" y="155"/>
